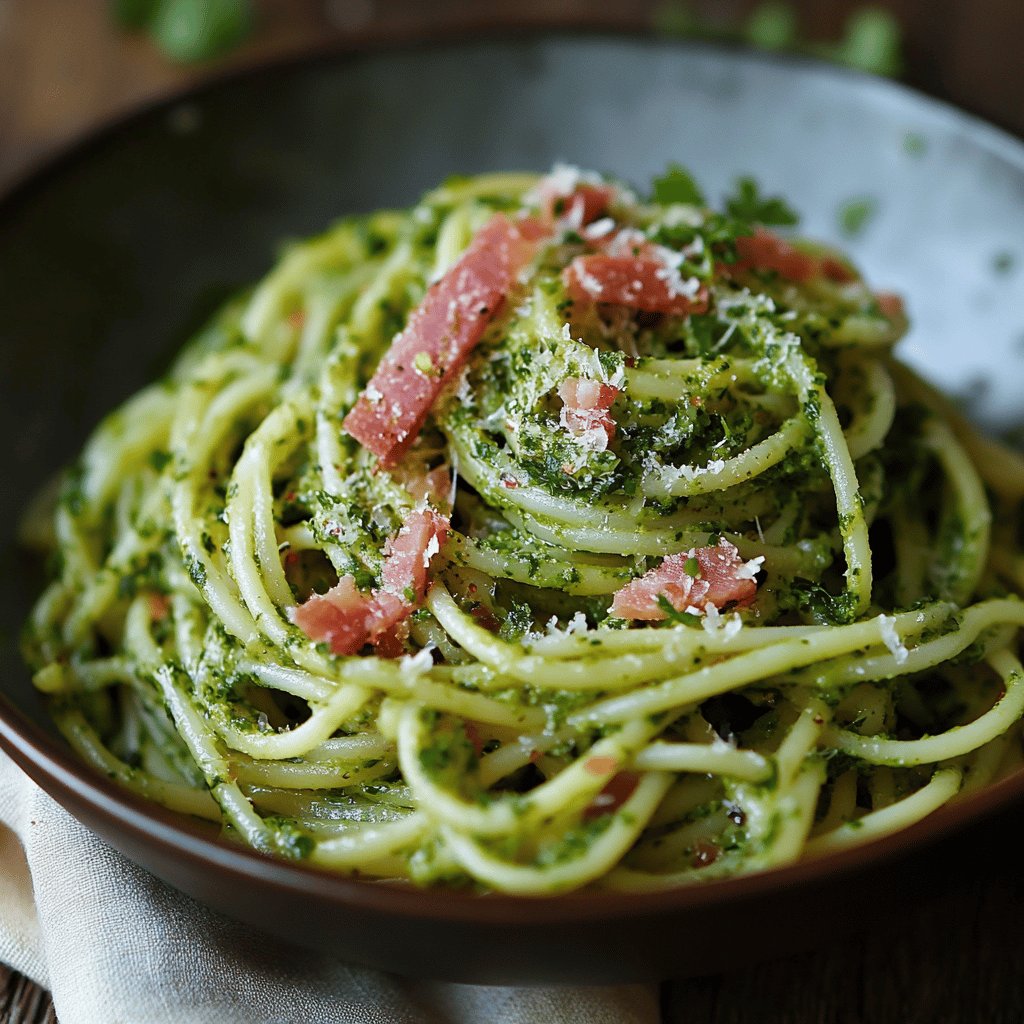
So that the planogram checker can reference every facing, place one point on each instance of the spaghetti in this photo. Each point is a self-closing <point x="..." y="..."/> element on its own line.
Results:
<point x="539" y="537"/>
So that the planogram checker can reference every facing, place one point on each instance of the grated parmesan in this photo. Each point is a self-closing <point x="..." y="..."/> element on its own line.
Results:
<point x="892" y="640"/>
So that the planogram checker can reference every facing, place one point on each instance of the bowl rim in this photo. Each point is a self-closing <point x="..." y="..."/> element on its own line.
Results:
<point x="44" y="757"/>
<point x="481" y="30"/>
<point x="39" y="754"/>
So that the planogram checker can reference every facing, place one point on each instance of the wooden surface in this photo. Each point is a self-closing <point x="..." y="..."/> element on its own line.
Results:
<point x="956" y="960"/>
<point x="64" y="68"/>
<point x="21" y="1002"/>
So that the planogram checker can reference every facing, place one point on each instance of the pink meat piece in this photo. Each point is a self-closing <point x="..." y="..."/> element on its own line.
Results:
<point x="585" y="203"/>
<point x="348" y="619"/>
<point x="890" y="304"/>
<point x="764" y="250"/>
<point x="337" y="618"/>
<point x="644" y="282"/>
<point x="723" y="579"/>
<point x="586" y="410"/>
<point x="439" y="336"/>
<point x="407" y="555"/>
<point x="434" y="486"/>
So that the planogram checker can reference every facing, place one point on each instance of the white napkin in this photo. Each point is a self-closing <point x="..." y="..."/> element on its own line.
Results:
<point x="117" y="946"/>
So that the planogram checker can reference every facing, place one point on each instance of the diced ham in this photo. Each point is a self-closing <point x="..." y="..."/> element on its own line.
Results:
<point x="764" y="250"/>
<point x="347" y="619"/>
<point x="159" y="606"/>
<point x="476" y="740"/>
<point x="407" y="555"/>
<point x="890" y="304"/>
<point x="721" y="578"/>
<point x="337" y="618"/>
<point x="642" y="282"/>
<point x="585" y="411"/>
<point x="601" y="764"/>
<point x="569" y="201"/>
<point x="836" y="270"/>
<point x="619" y="789"/>
<point x="391" y="644"/>
<point x="485" y="617"/>
<point x="584" y="205"/>
<point x="440" y="335"/>
<point x="631" y="242"/>
<point x="434" y="486"/>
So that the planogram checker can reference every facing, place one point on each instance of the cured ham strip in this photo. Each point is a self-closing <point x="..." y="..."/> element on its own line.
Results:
<point x="890" y="304"/>
<point x="836" y="270"/>
<point x="348" y="619"/>
<point x="642" y="282"/>
<point x="439" y="337"/>
<point x="568" y="198"/>
<point x="585" y="413"/>
<point x="407" y="555"/>
<point x="764" y="250"/>
<point x="337" y="618"/>
<point x="585" y="203"/>
<point x="434" y="486"/>
<point x="692" y="581"/>
<point x="619" y="789"/>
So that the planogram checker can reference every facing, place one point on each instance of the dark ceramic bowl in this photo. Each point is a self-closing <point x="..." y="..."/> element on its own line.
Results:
<point x="113" y="253"/>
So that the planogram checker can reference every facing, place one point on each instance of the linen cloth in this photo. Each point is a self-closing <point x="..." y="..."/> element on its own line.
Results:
<point x="117" y="946"/>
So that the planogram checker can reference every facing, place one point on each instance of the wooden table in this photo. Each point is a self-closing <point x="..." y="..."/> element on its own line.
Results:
<point x="63" y="66"/>
<point x="956" y="959"/>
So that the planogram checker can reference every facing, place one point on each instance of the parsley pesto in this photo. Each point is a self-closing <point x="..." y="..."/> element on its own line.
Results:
<point x="551" y="533"/>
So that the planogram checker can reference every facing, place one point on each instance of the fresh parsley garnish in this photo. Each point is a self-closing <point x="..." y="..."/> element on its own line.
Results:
<point x="517" y="623"/>
<point x="855" y="214"/>
<point x="676" y="185"/>
<point x="747" y="204"/>
<point x="824" y="608"/>
<point x="673" y="615"/>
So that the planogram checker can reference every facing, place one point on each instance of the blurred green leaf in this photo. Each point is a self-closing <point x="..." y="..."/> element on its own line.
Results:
<point x="674" y="18"/>
<point x="772" y="26"/>
<point x="855" y="214"/>
<point x="872" y="38"/>
<point x="133" y="14"/>
<point x="872" y="42"/>
<point x="914" y="144"/>
<point x="194" y="30"/>
<point x="1003" y="262"/>
<point x="676" y="185"/>
<point x="747" y="204"/>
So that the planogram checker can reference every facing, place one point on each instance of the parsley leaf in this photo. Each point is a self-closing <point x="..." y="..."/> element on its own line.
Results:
<point x="133" y="14"/>
<point x="1003" y="262"/>
<point x="673" y="615"/>
<point x="158" y="459"/>
<point x="855" y="214"/>
<point x="518" y="622"/>
<point x="676" y="185"/>
<point x="822" y="607"/>
<point x="748" y="204"/>
<point x="194" y="30"/>
<point x="773" y="26"/>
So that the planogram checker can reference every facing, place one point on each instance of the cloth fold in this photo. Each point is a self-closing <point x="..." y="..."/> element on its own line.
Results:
<point x="117" y="946"/>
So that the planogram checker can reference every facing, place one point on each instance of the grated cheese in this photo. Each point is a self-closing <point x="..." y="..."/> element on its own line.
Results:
<point x="892" y="640"/>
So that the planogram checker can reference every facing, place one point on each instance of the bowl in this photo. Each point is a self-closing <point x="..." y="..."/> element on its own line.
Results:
<point x="115" y="251"/>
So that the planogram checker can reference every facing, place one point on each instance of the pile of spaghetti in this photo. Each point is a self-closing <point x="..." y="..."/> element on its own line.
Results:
<point x="542" y="536"/>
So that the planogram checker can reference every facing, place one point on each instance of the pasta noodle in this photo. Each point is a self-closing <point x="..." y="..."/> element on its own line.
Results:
<point x="539" y="537"/>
